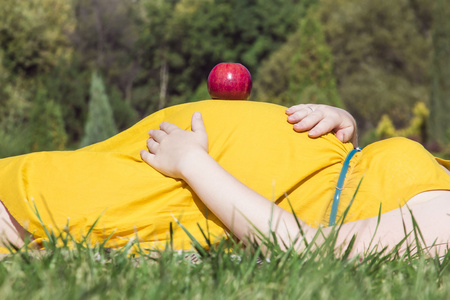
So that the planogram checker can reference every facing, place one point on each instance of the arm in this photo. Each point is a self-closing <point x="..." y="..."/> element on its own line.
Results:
<point x="320" y="119"/>
<point x="241" y="209"/>
<point x="184" y="154"/>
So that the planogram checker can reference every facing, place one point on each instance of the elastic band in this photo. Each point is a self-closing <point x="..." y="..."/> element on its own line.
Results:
<point x="340" y="183"/>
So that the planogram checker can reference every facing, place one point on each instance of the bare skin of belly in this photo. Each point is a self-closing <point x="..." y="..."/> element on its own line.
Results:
<point x="11" y="232"/>
<point x="431" y="211"/>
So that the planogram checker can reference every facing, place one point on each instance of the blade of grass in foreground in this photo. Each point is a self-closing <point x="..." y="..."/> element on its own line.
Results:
<point x="83" y="272"/>
<point x="194" y="241"/>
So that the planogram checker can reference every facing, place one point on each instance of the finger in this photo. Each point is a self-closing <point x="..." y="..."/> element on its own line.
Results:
<point x="345" y="134"/>
<point x="322" y="127"/>
<point x="152" y="146"/>
<point x="301" y="114"/>
<point x="157" y="135"/>
<point x="298" y="116"/>
<point x="291" y="110"/>
<point x="197" y="123"/>
<point x="147" y="157"/>
<point x="301" y="111"/>
<point x="168" y="127"/>
<point x="309" y="121"/>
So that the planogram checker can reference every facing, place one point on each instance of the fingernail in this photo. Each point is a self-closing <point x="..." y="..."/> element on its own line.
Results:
<point x="298" y="127"/>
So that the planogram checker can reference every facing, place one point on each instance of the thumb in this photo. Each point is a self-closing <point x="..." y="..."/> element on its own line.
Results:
<point x="197" y="124"/>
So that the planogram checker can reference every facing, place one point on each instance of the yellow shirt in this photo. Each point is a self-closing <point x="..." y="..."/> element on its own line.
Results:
<point x="107" y="184"/>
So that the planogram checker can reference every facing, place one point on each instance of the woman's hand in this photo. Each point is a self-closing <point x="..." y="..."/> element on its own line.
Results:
<point x="172" y="150"/>
<point x="320" y="119"/>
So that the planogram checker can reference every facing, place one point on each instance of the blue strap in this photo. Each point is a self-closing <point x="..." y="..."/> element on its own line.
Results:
<point x="340" y="183"/>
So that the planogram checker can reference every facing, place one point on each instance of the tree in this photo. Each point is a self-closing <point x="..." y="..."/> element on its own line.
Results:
<point x="240" y="31"/>
<point x="46" y="124"/>
<point x="14" y="107"/>
<point x="274" y="74"/>
<point x="440" y="84"/>
<point x="301" y="70"/>
<point x="14" y="102"/>
<point x="106" y="35"/>
<point x="33" y="43"/>
<point x="161" y="41"/>
<point x="381" y="51"/>
<point x="33" y="34"/>
<point x="68" y="85"/>
<point x="100" y="123"/>
<point x="312" y="79"/>
<point x="417" y="129"/>
<point x="183" y="40"/>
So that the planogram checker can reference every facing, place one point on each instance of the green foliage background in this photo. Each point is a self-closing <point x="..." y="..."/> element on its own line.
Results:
<point x="100" y="123"/>
<point x="377" y="59"/>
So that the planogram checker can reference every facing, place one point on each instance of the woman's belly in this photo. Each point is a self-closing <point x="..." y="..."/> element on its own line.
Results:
<point x="387" y="174"/>
<point x="107" y="184"/>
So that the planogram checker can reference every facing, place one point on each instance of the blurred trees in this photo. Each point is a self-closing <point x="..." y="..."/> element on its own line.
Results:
<point x="382" y="52"/>
<point x="301" y="71"/>
<point x="183" y="40"/>
<point x="33" y="42"/>
<point x="312" y="78"/>
<point x="372" y="57"/>
<point x="440" y="85"/>
<point x="379" y="60"/>
<point x="416" y="130"/>
<point x="100" y="123"/>
<point x="33" y="35"/>
<point x="105" y="40"/>
<point x="274" y="74"/>
<point x="46" y="124"/>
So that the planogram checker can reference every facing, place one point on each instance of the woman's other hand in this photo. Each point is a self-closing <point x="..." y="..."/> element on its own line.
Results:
<point x="320" y="119"/>
<point x="172" y="150"/>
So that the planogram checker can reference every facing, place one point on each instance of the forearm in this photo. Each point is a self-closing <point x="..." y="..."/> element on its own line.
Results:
<point x="241" y="209"/>
<point x="246" y="213"/>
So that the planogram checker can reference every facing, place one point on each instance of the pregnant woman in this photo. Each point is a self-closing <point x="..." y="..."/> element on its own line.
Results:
<point x="229" y="167"/>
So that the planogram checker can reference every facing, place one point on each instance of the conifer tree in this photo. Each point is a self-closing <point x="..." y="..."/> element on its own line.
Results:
<point x="100" y="123"/>
<point x="46" y="124"/>
<point x="440" y="83"/>
<point x="312" y="79"/>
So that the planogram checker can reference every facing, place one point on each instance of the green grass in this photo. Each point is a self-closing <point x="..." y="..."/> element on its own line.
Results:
<point x="226" y="271"/>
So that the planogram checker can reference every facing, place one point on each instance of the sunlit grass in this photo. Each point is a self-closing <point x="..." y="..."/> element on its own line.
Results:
<point x="73" y="270"/>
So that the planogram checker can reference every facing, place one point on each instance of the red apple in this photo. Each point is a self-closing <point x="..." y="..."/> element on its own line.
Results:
<point x="229" y="81"/>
